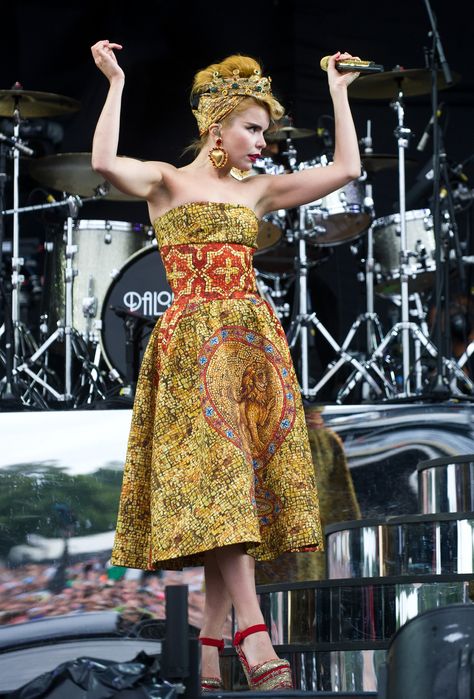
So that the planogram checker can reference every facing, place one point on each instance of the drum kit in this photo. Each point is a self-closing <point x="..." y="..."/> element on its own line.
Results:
<point x="104" y="284"/>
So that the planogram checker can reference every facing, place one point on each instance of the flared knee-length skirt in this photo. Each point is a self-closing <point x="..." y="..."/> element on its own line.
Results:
<point x="218" y="452"/>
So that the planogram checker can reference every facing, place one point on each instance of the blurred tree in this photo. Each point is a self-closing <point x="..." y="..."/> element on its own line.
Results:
<point x="30" y="495"/>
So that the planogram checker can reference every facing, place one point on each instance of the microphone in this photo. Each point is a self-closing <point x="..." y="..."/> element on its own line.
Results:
<point x="347" y="65"/>
<point x="426" y="133"/>
<point x="13" y="143"/>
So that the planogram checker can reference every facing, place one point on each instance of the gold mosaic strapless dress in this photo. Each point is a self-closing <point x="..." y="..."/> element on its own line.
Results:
<point x="218" y="451"/>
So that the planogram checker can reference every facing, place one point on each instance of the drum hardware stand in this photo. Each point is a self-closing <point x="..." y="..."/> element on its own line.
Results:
<point x="90" y="377"/>
<point x="374" y="327"/>
<point x="373" y="323"/>
<point x="420" y="340"/>
<point x="405" y="328"/>
<point x="303" y="319"/>
<point x="402" y="134"/>
<point x="17" y="261"/>
<point x="290" y="153"/>
<point x="8" y="389"/>
<point x="268" y="293"/>
<point x="65" y="330"/>
<point x="370" y="318"/>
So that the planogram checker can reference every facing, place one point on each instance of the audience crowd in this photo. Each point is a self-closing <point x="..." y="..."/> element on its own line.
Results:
<point x="35" y="591"/>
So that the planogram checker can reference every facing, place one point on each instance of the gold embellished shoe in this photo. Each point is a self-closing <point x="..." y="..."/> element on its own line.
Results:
<point x="272" y="675"/>
<point x="211" y="684"/>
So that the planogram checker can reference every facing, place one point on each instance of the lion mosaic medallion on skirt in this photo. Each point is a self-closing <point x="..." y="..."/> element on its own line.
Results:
<point x="218" y="451"/>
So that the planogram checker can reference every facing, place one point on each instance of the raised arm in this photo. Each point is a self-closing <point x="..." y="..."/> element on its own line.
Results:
<point x="297" y="188"/>
<point x="134" y="177"/>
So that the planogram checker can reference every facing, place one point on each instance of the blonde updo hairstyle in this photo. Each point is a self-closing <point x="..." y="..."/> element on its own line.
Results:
<point x="246" y="67"/>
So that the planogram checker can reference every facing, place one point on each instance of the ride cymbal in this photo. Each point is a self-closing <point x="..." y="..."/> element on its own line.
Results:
<point x="35" y="104"/>
<point x="411" y="81"/>
<point x="73" y="173"/>
<point x="375" y="162"/>
<point x="285" y="132"/>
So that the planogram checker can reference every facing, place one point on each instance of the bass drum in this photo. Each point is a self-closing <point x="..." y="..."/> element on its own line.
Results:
<point x="138" y="295"/>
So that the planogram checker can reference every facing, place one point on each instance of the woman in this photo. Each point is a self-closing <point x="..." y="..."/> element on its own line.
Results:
<point x="218" y="470"/>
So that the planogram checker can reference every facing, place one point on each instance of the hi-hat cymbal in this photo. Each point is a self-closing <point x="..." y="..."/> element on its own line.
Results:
<point x="375" y="162"/>
<point x="73" y="173"/>
<point x="285" y="132"/>
<point x="35" y="104"/>
<point x="412" y="81"/>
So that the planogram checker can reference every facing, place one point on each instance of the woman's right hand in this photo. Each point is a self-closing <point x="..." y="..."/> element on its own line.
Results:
<point x="105" y="59"/>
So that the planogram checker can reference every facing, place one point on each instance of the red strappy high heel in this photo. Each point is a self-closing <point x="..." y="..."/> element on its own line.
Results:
<point x="271" y="675"/>
<point x="211" y="684"/>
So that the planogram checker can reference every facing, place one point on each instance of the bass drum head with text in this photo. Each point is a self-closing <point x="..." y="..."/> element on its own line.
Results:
<point x="138" y="295"/>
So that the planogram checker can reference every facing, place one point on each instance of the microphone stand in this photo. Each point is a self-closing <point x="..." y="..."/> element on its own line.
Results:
<point x="133" y="324"/>
<point x="440" y="388"/>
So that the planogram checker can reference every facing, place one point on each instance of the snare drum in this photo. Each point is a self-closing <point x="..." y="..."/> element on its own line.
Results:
<point x="341" y="214"/>
<point x="138" y="288"/>
<point x="421" y="247"/>
<point x="101" y="249"/>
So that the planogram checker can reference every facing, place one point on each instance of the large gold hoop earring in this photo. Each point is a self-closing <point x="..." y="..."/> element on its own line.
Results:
<point x="218" y="155"/>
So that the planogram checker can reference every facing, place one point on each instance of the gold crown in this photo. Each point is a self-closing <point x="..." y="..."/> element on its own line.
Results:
<point x="254" y="84"/>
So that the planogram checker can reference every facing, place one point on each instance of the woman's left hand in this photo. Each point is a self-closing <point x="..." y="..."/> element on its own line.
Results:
<point x="337" y="79"/>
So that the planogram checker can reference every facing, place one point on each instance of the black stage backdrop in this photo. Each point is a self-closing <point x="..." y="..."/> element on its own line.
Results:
<point x="45" y="46"/>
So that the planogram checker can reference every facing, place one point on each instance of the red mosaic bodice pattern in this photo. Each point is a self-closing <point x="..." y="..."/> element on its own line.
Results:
<point x="208" y="271"/>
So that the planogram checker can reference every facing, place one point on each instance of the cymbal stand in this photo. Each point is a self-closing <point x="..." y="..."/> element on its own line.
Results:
<point x="290" y="154"/>
<point x="403" y="134"/>
<point x="11" y="327"/>
<point x="63" y="331"/>
<point x="7" y="390"/>
<point x="17" y="261"/>
<point x="374" y="327"/>
<point x="406" y="328"/>
<point x="370" y="318"/>
<point x="21" y="340"/>
<point x="303" y="319"/>
<point x="373" y="324"/>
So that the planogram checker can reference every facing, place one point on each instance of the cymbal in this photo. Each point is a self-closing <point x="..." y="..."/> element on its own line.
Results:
<point x="73" y="173"/>
<point x="35" y="104"/>
<point x="412" y="81"/>
<point x="285" y="132"/>
<point x="375" y="162"/>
